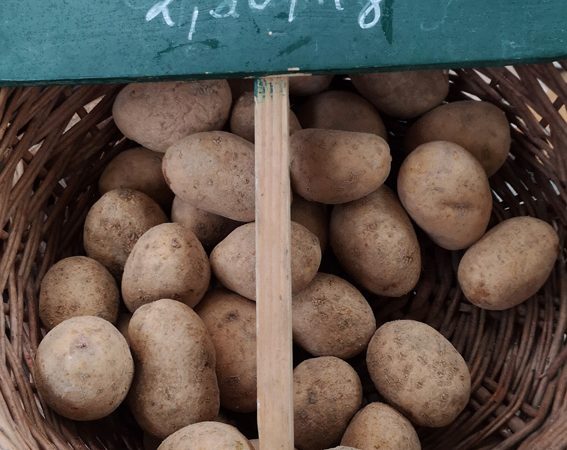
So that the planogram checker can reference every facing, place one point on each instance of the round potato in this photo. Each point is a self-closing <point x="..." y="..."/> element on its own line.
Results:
<point x="419" y="372"/>
<point x="481" y="128"/>
<point x="332" y="318"/>
<point x="207" y="435"/>
<point x="234" y="260"/>
<point x="375" y="232"/>
<point x="138" y="169"/>
<point x="157" y="115"/>
<point x="231" y="322"/>
<point x="379" y="426"/>
<point x="242" y="118"/>
<point x="168" y="261"/>
<point x="329" y="166"/>
<point x="509" y="264"/>
<point x="77" y="286"/>
<point x="341" y="110"/>
<point x="214" y="172"/>
<point x="327" y="393"/>
<point x="446" y="191"/>
<point x="114" y="224"/>
<point x="312" y="216"/>
<point x="403" y="94"/>
<point x="83" y="368"/>
<point x="309" y="84"/>
<point x="175" y="383"/>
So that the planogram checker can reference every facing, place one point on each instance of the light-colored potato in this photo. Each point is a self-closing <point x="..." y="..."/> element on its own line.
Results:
<point x="379" y="426"/>
<point x="234" y="260"/>
<point x="309" y="84"/>
<point x="481" y="128"/>
<point x="213" y="171"/>
<point x="156" y="115"/>
<point x="175" y="383"/>
<point x="114" y="224"/>
<point x="207" y="435"/>
<point x="446" y="191"/>
<point x="329" y="166"/>
<point x="341" y="110"/>
<point x="313" y="216"/>
<point x="168" y="261"/>
<point x="403" y="94"/>
<point x="332" y="318"/>
<point x="327" y="393"/>
<point x="376" y="244"/>
<point x="77" y="286"/>
<point x="231" y="322"/>
<point x="509" y="264"/>
<point x="83" y="368"/>
<point x="419" y="372"/>
<point x="122" y="325"/>
<point x="242" y="118"/>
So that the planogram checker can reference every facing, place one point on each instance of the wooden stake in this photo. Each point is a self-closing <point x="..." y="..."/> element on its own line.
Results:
<point x="273" y="269"/>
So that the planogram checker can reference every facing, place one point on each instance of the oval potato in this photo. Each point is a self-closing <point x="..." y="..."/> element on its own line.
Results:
<point x="308" y="84"/>
<point x="207" y="435"/>
<point x="313" y="216"/>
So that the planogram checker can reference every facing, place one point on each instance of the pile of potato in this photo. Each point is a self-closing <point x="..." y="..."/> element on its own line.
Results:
<point x="160" y="313"/>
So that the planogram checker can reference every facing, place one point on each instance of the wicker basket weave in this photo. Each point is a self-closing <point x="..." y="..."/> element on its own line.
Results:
<point x="54" y="143"/>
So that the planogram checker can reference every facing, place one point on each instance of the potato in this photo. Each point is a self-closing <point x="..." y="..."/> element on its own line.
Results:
<point x="327" y="393"/>
<point x="379" y="426"/>
<point x="341" y="110"/>
<point x="168" y="261"/>
<point x="122" y="325"/>
<point x="509" y="264"/>
<point x="312" y="216"/>
<point x="157" y="115"/>
<point x="242" y="118"/>
<point x="139" y="169"/>
<point x="309" y="84"/>
<point x="329" y="166"/>
<point x="114" y="224"/>
<point x="175" y="383"/>
<point x="77" y="286"/>
<point x="403" y="94"/>
<point x="231" y="322"/>
<point x="207" y="435"/>
<point x="215" y="172"/>
<point x="479" y="127"/>
<point x="446" y="191"/>
<point x="419" y="372"/>
<point x="83" y="368"/>
<point x="375" y="243"/>
<point x="332" y="318"/>
<point x="234" y="260"/>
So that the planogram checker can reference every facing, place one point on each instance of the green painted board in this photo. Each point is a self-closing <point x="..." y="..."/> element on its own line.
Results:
<point x="114" y="40"/>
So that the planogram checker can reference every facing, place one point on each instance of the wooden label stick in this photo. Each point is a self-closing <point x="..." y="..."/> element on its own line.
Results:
<point x="273" y="269"/>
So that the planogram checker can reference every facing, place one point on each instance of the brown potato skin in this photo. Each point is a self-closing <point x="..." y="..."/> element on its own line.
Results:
<point x="419" y="372"/>
<point x="168" y="261"/>
<point x="77" y="286"/>
<point x="327" y="393"/>
<point x="341" y="110"/>
<point x="373" y="232"/>
<point x="379" y="426"/>
<point x="329" y="166"/>
<point x="509" y="264"/>
<point x="481" y="128"/>
<point x="83" y="368"/>
<point x="175" y="382"/>
<point x="139" y="169"/>
<point x="114" y="224"/>
<point x="233" y="260"/>
<point x="156" y="115"/>
<point x="309" y="84"/>
<point x="213" y="171"/>
<point x="207" y="435"/>
<point x="332" y="318"/>
<point x="404" y="95"/>
<point x="445" y="190"/>
<point x="313" y="216"/>
<point x="231" y="322"/>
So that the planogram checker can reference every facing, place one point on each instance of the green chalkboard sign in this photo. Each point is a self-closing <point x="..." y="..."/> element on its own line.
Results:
<point x="97" y="40"/>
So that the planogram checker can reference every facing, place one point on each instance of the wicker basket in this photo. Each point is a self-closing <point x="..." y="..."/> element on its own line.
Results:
<point x="54" y="143"/>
